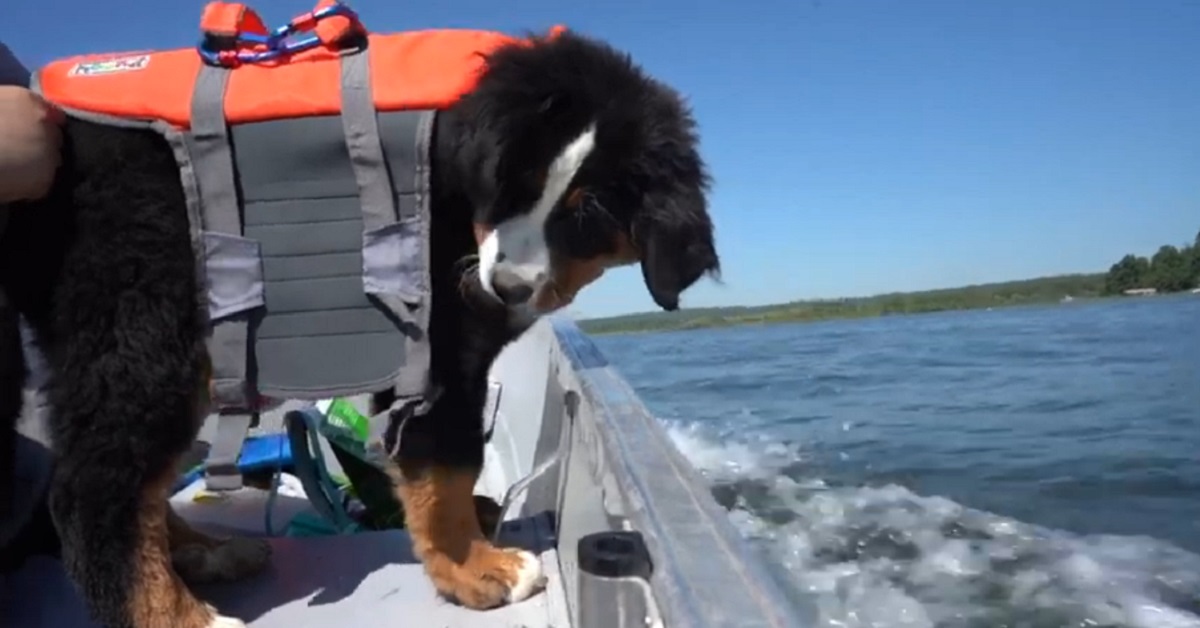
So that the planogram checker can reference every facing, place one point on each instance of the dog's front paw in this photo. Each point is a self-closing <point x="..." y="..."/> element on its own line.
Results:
<point x="442" y="519"/>
<point x="490" y="576"/>
<point x="222" y="561"/>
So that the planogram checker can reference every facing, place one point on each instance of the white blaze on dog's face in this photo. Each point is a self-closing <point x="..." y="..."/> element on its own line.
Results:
<point x="514" y="257"/>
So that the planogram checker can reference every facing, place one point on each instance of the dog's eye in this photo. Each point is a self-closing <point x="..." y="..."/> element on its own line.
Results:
<point x="582" y="228"/>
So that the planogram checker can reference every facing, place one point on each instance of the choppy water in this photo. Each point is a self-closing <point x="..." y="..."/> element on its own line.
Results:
<point x="1023" y="468"/>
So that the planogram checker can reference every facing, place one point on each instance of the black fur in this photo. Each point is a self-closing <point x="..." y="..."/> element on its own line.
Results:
<point x="644" y="178"/>
<point x="123" y="333"/>
<point x="103" y="270"/>
<point x="12" y="374"/>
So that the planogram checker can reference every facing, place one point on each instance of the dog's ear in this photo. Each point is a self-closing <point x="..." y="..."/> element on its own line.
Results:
<point x="675" y="240"/>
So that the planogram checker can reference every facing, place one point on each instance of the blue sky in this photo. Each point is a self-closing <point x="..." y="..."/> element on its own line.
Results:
<point x="857" y="146"/>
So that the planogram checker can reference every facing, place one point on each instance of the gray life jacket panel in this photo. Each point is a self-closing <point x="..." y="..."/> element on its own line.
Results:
<point x="312" y="241"/>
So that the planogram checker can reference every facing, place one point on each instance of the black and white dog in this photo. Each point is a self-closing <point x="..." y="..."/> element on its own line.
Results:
<point x="564" y="160"/>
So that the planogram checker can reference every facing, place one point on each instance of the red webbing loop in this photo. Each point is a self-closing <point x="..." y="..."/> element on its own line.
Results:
<point x="230" y="19"/>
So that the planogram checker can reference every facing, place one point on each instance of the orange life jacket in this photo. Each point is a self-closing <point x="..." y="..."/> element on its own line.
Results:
<point x="304" y="157"/>
<point x="409" y="70"/>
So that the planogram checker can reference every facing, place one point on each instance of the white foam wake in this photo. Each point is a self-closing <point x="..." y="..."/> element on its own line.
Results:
<point x="884" y="557"/>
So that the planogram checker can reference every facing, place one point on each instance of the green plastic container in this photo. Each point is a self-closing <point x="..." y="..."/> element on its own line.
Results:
<point x="348" y="431"/>
<point x="344" y="424"/>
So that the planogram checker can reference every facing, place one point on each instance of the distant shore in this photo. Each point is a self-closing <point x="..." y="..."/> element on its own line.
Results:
<point x="1170" y="270"/>
<point x="1025" y="292"/>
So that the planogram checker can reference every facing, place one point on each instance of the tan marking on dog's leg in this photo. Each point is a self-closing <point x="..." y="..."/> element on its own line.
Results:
<point x="159" y="598"/>
<point x="199" y="558"/>
<point x="440" y="516"/>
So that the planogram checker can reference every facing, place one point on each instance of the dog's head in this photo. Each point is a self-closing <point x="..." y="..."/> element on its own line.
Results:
<point x="575" y="162"/>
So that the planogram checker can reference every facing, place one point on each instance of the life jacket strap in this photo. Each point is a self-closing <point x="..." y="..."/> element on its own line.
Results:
<point x="230" y="308"/>
<point x="221" y="471"/>
<point x="393" y="273"/>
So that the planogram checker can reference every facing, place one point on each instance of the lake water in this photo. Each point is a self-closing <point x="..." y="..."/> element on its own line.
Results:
<point x="1026" y="467"/>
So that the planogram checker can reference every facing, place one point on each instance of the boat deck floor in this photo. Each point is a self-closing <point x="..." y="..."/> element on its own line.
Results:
<point x="367" y="580"/>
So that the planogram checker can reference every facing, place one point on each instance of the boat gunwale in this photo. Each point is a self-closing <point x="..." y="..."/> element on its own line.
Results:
<point x="706" y="574"/>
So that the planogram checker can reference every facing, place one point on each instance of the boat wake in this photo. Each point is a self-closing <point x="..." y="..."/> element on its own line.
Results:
<point x="884" y="557"/>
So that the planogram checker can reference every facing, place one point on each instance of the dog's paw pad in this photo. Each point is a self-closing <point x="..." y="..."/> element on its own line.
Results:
<point x="244" y="555"/>
<point x="230" y="560"/>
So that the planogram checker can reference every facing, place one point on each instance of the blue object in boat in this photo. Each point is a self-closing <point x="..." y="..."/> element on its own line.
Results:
<point x="265" y="452"/>
<point x="258" y="452"/>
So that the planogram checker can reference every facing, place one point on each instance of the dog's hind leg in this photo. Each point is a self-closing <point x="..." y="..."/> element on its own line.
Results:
<point x="125" y="408"/>
<point x="116" y="548"/>
<point x="200" y="558"/>
<point x="127" y="398"/>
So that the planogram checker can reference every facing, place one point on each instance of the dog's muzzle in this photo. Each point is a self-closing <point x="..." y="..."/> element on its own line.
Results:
<point x="510" y="287"/>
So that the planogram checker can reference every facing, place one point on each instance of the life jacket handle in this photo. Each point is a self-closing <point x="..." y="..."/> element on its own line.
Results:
<point x="234" y="34"/>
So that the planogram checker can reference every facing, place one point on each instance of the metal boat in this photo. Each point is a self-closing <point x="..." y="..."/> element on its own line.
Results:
<point x="626" y="528"/>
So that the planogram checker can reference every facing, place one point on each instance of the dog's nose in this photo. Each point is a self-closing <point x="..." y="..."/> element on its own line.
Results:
<point x="509" y="286"/>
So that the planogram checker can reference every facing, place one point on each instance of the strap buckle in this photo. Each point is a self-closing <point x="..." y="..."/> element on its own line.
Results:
<point x="221" y="468"/>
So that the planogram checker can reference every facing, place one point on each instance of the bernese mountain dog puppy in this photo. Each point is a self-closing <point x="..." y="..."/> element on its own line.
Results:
<point x="565" y="160"/>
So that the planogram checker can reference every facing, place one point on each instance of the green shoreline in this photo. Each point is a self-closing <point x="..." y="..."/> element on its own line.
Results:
<point x="1170" y="270"/>
<point x="1041" y="290"/>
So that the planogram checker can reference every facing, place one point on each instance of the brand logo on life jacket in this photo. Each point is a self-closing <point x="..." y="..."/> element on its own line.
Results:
<point x="110" y="66"/>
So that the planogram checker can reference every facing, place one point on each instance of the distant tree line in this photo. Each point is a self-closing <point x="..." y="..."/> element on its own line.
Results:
<point x="1170" y="269"/>
<point x="1008" y="293"/>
